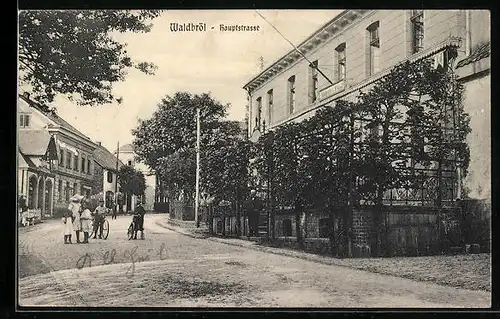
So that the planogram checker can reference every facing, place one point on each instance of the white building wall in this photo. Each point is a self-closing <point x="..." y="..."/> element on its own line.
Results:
<point x="477" y="103"/>
<point x="395" y="46"/>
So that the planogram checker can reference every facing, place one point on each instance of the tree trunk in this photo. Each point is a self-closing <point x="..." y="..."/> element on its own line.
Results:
<point x="238" y="214"/>
<point x="298" y="212"/>
<point x="331" y="222"/>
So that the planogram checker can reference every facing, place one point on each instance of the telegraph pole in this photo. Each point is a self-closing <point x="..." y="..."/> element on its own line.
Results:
<point x="197" y="200"/>
<point x="116" y="177"/>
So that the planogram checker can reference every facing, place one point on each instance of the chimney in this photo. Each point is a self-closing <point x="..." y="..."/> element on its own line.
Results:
<point x="98" y="143"/>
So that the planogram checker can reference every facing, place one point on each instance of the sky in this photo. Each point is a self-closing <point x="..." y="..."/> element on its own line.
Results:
<point x="197" y="62"/>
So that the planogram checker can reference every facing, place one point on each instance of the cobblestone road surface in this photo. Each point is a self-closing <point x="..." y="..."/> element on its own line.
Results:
<point x="168" y="269"/>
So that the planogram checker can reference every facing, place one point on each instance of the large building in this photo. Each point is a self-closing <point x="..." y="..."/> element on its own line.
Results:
<point x="73" y="171"/>
<point x="354" y="50"/>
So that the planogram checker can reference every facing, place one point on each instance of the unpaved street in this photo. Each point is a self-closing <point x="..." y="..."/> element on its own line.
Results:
<point x="170" y="269"/>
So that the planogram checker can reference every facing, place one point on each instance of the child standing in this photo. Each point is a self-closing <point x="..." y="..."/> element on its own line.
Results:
<point x="68" y="226"/>
<point x="86" y="219"/>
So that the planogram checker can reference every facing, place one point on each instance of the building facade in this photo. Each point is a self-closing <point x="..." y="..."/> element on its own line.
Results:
<point x="106" y="175"/>
<point x="74" y="169"/>
<point x="37" y="156"/>
<point x="127" y="156"/>
<point x="349" y="54"/>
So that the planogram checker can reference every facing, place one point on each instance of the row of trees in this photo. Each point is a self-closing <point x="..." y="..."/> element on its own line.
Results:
<point x="407" y="128"/>
<point x="351" y="153"/>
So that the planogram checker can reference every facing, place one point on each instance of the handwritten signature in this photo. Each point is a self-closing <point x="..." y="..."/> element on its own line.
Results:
<point x="131" y="256"/>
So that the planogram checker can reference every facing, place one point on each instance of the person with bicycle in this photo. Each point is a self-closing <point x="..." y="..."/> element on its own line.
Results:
<point x="98" y="215"/>
<point x="139" y="220"/>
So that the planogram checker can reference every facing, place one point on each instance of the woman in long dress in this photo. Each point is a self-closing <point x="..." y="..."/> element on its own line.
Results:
<point x="75" y="208"/>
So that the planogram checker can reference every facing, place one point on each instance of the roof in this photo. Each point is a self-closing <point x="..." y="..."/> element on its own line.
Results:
<point x="34" y="142"/>
<point x="23" y="161"/>
<point x="54" y="117"/>
<point x="105" y="159"/>
<point x="480" y="52"/>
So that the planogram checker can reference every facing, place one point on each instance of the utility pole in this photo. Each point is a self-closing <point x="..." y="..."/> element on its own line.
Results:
<point x="197" y="200"/>
<point x="116" y="177"/>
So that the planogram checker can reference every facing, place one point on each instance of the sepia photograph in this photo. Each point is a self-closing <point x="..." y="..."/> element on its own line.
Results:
<point x="254" y="158"/>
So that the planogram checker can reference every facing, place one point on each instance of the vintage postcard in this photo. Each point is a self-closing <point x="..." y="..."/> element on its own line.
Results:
<point x="254" y="158"/>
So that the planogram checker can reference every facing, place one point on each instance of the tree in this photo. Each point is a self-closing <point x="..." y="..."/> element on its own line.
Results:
<point x="172" y="126"/>
<point x="131" y="181"/>
<point x="166" y="142"/>
<point x="402" y="133"/>
<point x="73" y="52"/>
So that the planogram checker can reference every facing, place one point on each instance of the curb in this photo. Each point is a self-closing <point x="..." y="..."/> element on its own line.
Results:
<point x="253" y="246"/>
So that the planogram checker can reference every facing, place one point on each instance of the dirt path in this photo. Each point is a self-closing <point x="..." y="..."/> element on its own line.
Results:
<point x="197" y="272"/>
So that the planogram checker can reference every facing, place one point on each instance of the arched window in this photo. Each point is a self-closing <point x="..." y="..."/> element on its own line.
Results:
<point x="374" y="48"/>
<point x="340" y="62"/>
<point x="110" y="177"/>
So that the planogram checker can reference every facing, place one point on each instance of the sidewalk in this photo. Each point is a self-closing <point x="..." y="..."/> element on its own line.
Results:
<point x="251" y="244"/>
<point x="471" y="271"/>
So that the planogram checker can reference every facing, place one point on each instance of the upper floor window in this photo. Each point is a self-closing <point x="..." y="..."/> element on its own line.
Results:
<point x="341" y="62"/>
<point x="417" y="30"/>
<point x="313" y="85"/>
<point x="61" y="157"/>
<point x="130" y="163"/>
<point x="291" y="94"/>
<point x="24" y="120"/>
<point x="75" y="162"/>
<point x="374" y="48"/>
<point x="89" y="171"/>
<point x="110" y="177"/>
<point x="60" y="190"/>
<point x="83" y="164"/>
<point x="258" y="118"/>
<point x="75" y="188"/>
<point x="68" y="159"/>
<point x="270" y="105"/>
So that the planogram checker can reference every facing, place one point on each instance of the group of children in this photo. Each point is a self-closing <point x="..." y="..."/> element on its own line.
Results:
<point x="79" y="219"/>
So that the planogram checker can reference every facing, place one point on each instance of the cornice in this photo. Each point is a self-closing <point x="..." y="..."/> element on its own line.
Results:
<point x="332" y="28"/>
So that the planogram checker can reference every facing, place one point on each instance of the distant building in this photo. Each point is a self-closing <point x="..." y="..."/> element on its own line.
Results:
<point x="74" y="170"/>
<point x="128" y="157"/>
<point x="105" y="174"/>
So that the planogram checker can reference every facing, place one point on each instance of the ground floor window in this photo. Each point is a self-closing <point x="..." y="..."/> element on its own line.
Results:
<point x="287" y="227"/>
<point x="324" y="228"/>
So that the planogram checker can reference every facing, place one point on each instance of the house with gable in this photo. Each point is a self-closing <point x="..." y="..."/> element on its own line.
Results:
<point x="106" y="175"/>
<point x="74" y="168"/>
<point x="36" y="155"/>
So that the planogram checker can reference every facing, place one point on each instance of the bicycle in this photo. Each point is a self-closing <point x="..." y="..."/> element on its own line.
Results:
<point x="105" y="228"/>
<point x="132" y="229"/>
